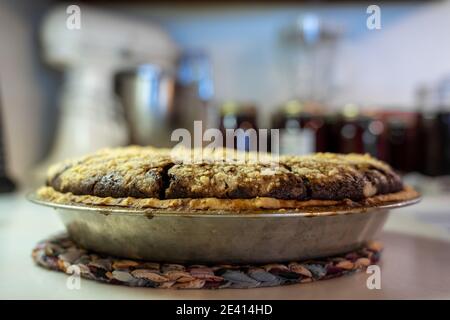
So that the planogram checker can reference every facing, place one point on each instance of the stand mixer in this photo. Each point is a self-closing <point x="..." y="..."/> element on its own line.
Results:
<point x="90" y="115"/>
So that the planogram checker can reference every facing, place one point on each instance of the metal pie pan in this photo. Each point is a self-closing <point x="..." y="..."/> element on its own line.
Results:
<point x="220" y="237"/>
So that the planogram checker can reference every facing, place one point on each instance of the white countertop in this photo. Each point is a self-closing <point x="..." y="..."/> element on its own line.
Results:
<point x="415" y="262"/>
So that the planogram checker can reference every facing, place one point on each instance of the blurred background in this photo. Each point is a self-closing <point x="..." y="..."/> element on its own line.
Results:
<point x="75" y="77"/>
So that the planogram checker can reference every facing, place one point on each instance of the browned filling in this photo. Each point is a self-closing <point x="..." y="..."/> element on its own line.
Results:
<point x="234" y="205"/>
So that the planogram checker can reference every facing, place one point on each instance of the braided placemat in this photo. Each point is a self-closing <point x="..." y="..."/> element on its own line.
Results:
<point x="62" y="254"/>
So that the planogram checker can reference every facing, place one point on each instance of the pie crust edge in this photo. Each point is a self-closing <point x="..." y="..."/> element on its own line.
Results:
<point x="228" y="205"/>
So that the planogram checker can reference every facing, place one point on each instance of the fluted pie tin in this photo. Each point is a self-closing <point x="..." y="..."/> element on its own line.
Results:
<point x="221" y="237"/>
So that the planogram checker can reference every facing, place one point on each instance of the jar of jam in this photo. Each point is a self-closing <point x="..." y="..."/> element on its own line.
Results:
<point x="400" y="140"/>
<point x="235" y="116"/>
<point x="444" y="126"/>
<point x="353" y="131"/>
<point x="348" y="130"/>
<point x="300" y="130"/>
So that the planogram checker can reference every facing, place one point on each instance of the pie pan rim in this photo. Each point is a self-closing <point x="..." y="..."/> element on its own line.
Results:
<point x="254" y="213"/>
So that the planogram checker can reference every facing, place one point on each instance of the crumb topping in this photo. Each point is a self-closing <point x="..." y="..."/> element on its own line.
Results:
<point x="146" y="172"/>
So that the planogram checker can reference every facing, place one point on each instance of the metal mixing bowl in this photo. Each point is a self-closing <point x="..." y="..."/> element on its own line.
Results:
<point x="220" y="237"/>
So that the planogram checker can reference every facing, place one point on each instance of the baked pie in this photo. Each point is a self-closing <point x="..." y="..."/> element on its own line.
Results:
<point x="151" y="178"/>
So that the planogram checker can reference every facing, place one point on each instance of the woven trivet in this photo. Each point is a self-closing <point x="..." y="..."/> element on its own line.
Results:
<point x="62" y="254"/>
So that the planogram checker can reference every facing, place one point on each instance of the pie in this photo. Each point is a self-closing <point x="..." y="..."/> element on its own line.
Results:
<point x="222" y="179"/>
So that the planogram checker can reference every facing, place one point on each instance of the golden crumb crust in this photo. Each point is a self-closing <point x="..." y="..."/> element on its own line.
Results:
<point x="164" y="174"/>
<point x="226" y="205"/>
